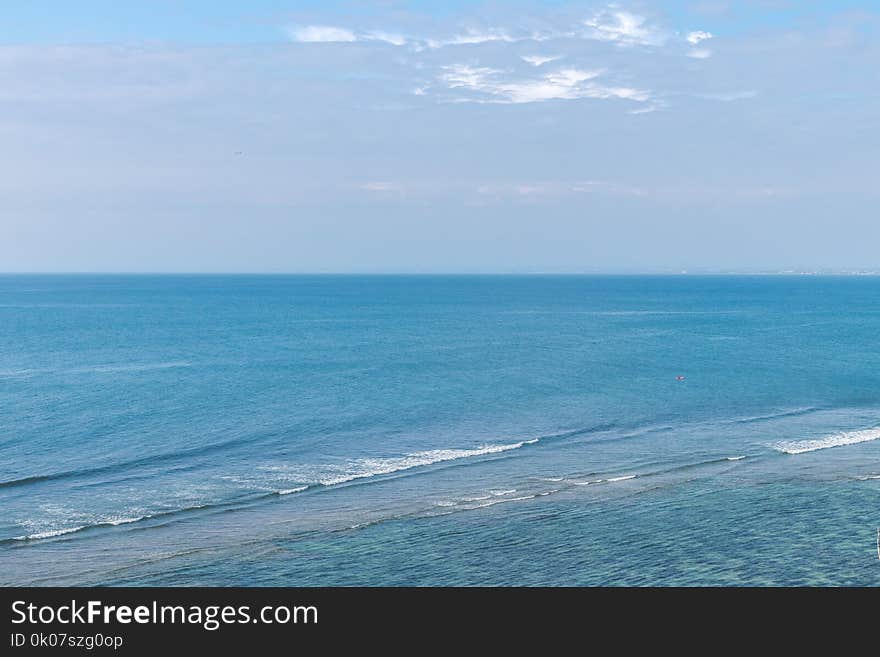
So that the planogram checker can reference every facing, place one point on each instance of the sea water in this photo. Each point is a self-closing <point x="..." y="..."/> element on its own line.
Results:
<point x="439" y="430"/>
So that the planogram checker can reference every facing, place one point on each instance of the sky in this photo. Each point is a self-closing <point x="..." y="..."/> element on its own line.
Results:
<point x="428" y="136"/>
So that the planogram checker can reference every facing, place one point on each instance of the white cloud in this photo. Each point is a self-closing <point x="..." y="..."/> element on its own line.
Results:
<point x="321" y="34"/>
<point x="476" y="36"/>
<point x="611" y="25"/>
<point x="623" y="28"/>
<point x="546" y="189"/>
<point x="565" y="84"/>
<point x="696" y="36"/>
<point x="473" y="36"/>
<point x="332" y="34"/>
<point x="538" y="190"/>
<point x="393" y="38"/>
<point x="540" y="60"/>
<point x="475" y="83"/>
<point x="462" y="75"/>
<point x="534" y="189"/>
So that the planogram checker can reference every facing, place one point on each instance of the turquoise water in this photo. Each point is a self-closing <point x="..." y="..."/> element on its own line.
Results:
<point x="297" y="430"/>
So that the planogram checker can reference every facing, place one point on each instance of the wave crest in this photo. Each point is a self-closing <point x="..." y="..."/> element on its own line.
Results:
<point x="363" y="468"/>
<point x="827" y="442"/>
<point x="104" y="522"/>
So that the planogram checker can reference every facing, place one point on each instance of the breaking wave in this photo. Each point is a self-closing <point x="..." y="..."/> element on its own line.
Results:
<point x="372" y="467"/>
<point x="52" y="533"/>
<point x="827" y="442"/>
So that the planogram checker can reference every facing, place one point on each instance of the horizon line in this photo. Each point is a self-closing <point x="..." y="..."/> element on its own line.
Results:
<point x="681" y="273"/>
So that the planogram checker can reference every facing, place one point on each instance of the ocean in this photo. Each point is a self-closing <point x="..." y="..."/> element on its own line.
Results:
<point x="439" y="430"/>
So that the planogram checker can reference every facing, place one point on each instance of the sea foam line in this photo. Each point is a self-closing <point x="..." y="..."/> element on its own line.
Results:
<point x="113" y="521"/>
<point x="478" y="498"/>
<point x="833" y="440"/>
<point x="290" y="491"/>
<point x="610" y="480"/>
<point x="52" y="533"/>
<point x="510" y="499"/>
<point x="363" y="468"/>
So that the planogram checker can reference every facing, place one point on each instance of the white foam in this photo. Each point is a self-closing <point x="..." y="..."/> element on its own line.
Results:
<point x="492" y="493"/>
<point x="50" y="533"/>
<point x="123" y="521"/>
<point x="507" y="499"/>
<point x="479" y="498"/>
<point x="290" y="491"/>
<point x="869" y="477"/>
<point x="834" y="440"/>
<point x="363" y="468"/>
<point x="610" y="480"/>
<point x="735" y="458"/>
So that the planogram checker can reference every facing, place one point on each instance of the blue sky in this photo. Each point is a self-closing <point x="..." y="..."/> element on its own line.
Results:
<point x="439" y="136"/>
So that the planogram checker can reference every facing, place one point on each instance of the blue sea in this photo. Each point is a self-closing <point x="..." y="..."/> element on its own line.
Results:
<point x="439" y="430"/>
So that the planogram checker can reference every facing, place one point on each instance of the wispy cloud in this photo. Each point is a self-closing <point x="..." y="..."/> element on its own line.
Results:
<point x="477" y="82"/>
<point x="695" y="37"/>
<point x="550" y="189"/>
<point x="474" y="36"/>
<point x="394" y="38"/>
<point x="491" y="86"/>
<point x="623" y="28"/>
<point x="321" y="34"/>
<point x="644" y="110"/>
<point x="382" y="186"/>
<point x="540" y="60"/>
<point x="334" y="34"/>
<point x="544" y="190"/>
<point x="611" y="25"/>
